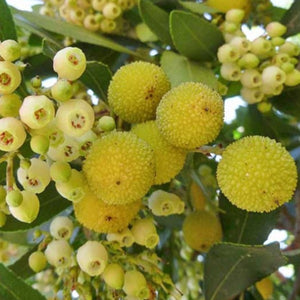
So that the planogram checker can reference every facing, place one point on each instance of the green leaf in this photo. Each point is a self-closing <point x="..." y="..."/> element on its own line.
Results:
<point x="77" y="32"/>
<point x="243" y="227"/>
<point x="51" y="204"/>
<point x="292" y="19"/>
<point x="156" y="19"/>
<point x="21" y="267"/>
<point x="7" y="26"/>
<point x="293" y="257"/>
<point x="230" y="268"/>
<point x="13" y="287"/>
<point x="195" y="37"/>
<point x="49" y="48"/>
<point x="97" y="77"/>
<point x="199" y="8"/>
<point x="17" y="237"/>
<point x="180" y="69"/>
<point x="38" y="65"/>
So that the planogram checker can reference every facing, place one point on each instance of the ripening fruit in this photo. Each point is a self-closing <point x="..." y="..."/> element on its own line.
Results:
<point x="61" y="228"/>
<point x="135" y="285"/>
<point x="10" y="77"/>
<point x="104" y="218"/>
<point x="135" y="91"/>
<point x="69" y="63"/>
<point x="201" y="230"/>
<point x="257" y="174"/>
<point x="28" y="210"/>
<point x="169" y="160"/>
<point x="92" y="258"/>
<point x="75" y="117"/>
<point x="265" y="288"/>
<point x="120" y="168"/>
<point x="58" y="253"/>
<point x="198" y="198"/>
<point x="12" y="134"/>
<point x="10" y="105"/>
<point x="37" y="111"/>
<point x="113" y="276"/>
<point x="190" y="115"/>
<point x="37" y="261"/>
<point x="225" y="6"/>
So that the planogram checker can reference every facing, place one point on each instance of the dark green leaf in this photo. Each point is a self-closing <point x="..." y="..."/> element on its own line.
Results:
<point x="77" y="32"/>
<point x="13" y="287"/>
<point x="40" y="65"/>
<point x="293" y="257"/>
<point x="230" y="268"/>
<point x="156" y="19"/>
<point x="19" y="238"/>
<point x="97" y="77"/>
<point x="195" y="37"/>
<point x="172" y="221"/>
<point x="243" y="227"/>
<point x="180" y="69"/>
<point x="21" y="267"/>
<point x="199" y="8"/>
<point x="292" y="19"/>
<point x="51" y="204"/>
<point x="50" y="49"/>
<point x="7" y="26"/>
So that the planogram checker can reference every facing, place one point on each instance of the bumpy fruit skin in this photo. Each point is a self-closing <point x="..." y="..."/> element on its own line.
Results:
<point x="201" y="230"/>
<point x="224" y="6"/>
<point x="136" y="90"/>
<point x="169" y="160"/>
<point x="190" y="115"/>
<point x="120" y="168"/>
<point x="257" y="174"/>
<point x="104" y="218"/>
<point x="265" y="288"/>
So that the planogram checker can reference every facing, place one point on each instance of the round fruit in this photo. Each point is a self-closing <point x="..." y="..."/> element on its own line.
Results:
<point x="120" y="168"/>
<point x="201" y="230"/>
<point x="136" y="90"/>
<point x="190" y="115"/>
<point x="135" y="285"/>
<point x="104" y="218"/>
<point x="257" y="174"/>
<point x="169" y="160"/>
<point x="61" y="228"/>
<point x="114" y="276"/>
<point x="58" y="253"/>
<point x="37" y="261"/>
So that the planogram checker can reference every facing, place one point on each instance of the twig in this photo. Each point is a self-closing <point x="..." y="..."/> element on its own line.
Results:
<point x="207" y="150"/>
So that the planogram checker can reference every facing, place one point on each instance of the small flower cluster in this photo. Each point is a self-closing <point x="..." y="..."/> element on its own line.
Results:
<point x="95" y="15"/>
<point x="264" y="66"/>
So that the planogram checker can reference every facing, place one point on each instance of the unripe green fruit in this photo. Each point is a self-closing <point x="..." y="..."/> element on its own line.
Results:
<point x="106" y="123"/>
<point x="125" y="238"/>
<point x="36" y="82"/>
<point x="75" y="117"/>
<point x="264" y="107"/>
<point x="227" y="53"/>
<point x="144" y="33"/>
<point x="251" y="78"/>
<point x="235" y="15"/>
<point x="277" y="41"/>
<point x="111" y="11"/>
<point x="39" y="144"/>
<point x="292" y="78"/>
<point x="144" y="233"/>
<point x="230" y="71"/>
<point x="92" y="258"/>
<point x="12" y="134"/>
<point x="287" y="67"/>
<point x="28" y="211"/>
<point x="229" y="27"/>
<point x="248" y="61"/>
<point x="261" y="46"/>
<point x="73" y="189"/>
<point x="275" y="29"/>
<point x="61" y="228"/>
<point x="201" y="230"/>
<point x="69" y="63"/>
<point x="60" y="171"/>
<point x="10" y="50"/>
<point x="10" y="77"/>
<point x="58" y="253"/>
<point x="37" y="111"/>
<point x="113" y="276"/>
<point x="290" y="49"/>
<point x="37" y="261"/>
<point x="10" y="105"/>
<point x="14" y="198"/>
<point x="135" y="285"/>
<point x="62" y="90"/>
<point x="108" y="25"/>
<point x="2" y="218"/>
<point x="252" y="95"/>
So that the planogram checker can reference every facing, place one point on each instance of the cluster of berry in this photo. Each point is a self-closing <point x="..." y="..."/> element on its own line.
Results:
<point x="263" y="66"/>
<point x="95" y="15"/>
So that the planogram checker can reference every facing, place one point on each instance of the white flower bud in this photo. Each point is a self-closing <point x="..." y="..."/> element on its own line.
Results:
<point x="10" y="50"/>
<point x="61" y="228"/>
<point x="252" y="95"/>
<point x="272" y="77"/>
<point x="226" y="54"/>
<point x="10" y="77"/>
<point x="251" y="78"/>
<point x="230" y="71"/>
<point x="58" y="253"/>
<point x="125" y="238"/>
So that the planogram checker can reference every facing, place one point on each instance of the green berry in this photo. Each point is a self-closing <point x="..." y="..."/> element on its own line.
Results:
<point x="113" y="276"/>
<point x="275" y="29"/>
<point x="14" y="198"/>
<point x="261" y="46"/>
<point x="248" y="61"/>
<point x="62" y="90"/>
<point x="235" y="15"/>
<point x="292" y="78"/>
<point x="229" y="27"/>
<point x="106" y="123"/>
<point x="39" y="144"/>
<point x="264" y="107"/>
<point x="277" y="41"/>
<point x="135" y="285"/>
<point x="227" y="53"/>
<point x="108" y="25"/>
<point x="290" y="49"/>
<point x="98" y="5"/>
<point x="36" y="82"/>
<point x="10" y="50"/>
<point x="10" y="105"/>
<point x="111" y="11"/>
<point x="37" y="261"/>
<point x="287" y="67"/>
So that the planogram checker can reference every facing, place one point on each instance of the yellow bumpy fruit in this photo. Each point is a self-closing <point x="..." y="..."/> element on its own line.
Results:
<point x="197" y="196"/>
<point x="190" y="115"/>
<point x="135" y="91"/>
<point x="257" y="174"/>
<point x="169" y="160"/>
<point x="120" y="168"/>
<point x="265" y="288"/>
<point x="96" y="215"/>
<point x="226" y="5"/>
<point x="201" y="230"/>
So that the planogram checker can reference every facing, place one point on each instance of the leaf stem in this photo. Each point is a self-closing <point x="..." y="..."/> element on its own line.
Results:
<point x="207" y="150"/>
